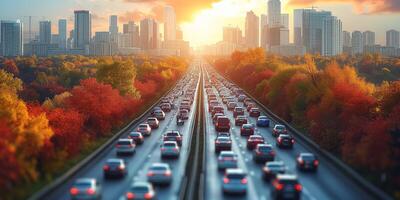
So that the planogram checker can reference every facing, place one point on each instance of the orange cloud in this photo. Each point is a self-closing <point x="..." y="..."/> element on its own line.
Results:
<point x="362" y="6"/>
<point x="185" y="9"/>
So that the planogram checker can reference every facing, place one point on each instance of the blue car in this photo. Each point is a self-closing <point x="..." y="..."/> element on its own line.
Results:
<point x="263" y="121"/>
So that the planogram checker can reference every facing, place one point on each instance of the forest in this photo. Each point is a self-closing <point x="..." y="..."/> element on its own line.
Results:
<point x="56" y="110"/>
<point x="350" y="106"/>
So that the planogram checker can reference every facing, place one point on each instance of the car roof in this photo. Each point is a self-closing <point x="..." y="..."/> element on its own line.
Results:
<point x="286" y="177"/>
<point x="234" y="171"/>
<point x="307" y="154"/>
<point x="256" y="136"/>
<point x="160" y="165"/>
<point x="141" y="184"/>
<point x="85" y="180"/>
<point x="115" y="160"/>
<point x="227" y="153"/>
<point x="274" y="163"/>
<point x="125" y="140"/>
<point x="168" y="142"/>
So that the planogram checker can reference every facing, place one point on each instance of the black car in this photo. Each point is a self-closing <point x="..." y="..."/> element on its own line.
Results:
<point x="271" y="169"/>
<point x="223" y="144"/>
<point x="264" y="152"/>
<point x="284" y="141"/>
<point x="286" y="186"/>
<point x="307" y="162"/>
<point x="114" y="168"/>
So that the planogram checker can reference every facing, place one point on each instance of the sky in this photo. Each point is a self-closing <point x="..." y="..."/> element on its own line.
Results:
<point x="202" y="20"/>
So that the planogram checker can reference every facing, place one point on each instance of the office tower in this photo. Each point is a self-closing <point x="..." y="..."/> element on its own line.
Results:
<point x="368" y="38"/>
<point x="297" y="26"/>
<point x="179" y="34"/>
<point x="274" y="13"/>
<point x="393" y="38"/>
<point x="82" y="29"/>
<point x="346" y="39"/>
<point x="264" y="31"/>
<point x="312" y="29"/>
<point x="357" y="42"/>
<point x="113" y="28"/>
<point x="130" y="36"/>
<point x="252" y="32"/>
<point x="11" y="38"/>
<point x="232" y="35"/>
<point x="285" y="20"/>
<point x="169" y="23"/>
<point x="149" y="34"/>
<point x="62" y="33"/>
<point x="332" y="36"/>
<point x="284" y="37"/>
<point x="45" y="32"/>
<point x="101" y="45"/>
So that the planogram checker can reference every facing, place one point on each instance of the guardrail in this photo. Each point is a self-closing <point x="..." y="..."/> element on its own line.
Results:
<point x="40" y="195"/>
<point x="356" y="177"/>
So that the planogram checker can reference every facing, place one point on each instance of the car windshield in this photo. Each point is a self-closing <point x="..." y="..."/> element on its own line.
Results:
<point x="223" y="120"/>
<point x="247" y="126"/>
<point x="143" y="126"/>
<point x="124" y="142"/>
<point x="235" y="176"/>
<point x="262" y="118"/>
<point x="275" y="166"/>
<point x="169" y="144"/>
<point x="158" y="168"/>
<point x="265" y="148"/>
<point x="83" y="184"/>
<point x="140" y="189"/>
<point x="255" y="137"/>
<point x="280" y="127"/>
<point x="151" y="120"/>
<point x="224" y="139"/>
<point x="172" y="134"/>
<point x="308" y="157"/>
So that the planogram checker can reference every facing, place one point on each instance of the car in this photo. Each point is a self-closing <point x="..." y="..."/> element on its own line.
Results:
<point x="253" y="141"/>
<point x="166" y="107"/>
<point x="286" y="186"/>
<point x="159" y="114"/>
<point x="234" y="181"/>
<point x="263" y="121"/>
<point x="222" y="144"/>
<point x="240" y="120"/>
<point x="254" y="112"/>
<point x="223" y="124"/>
<point x="279" y="129"/>
<point x="238" y="111"/>
<point x="241" y="98"/>
<point x="211" y="105"/>
<point x="215" y="117"/>
<point x="159" y="173"/>
<point x="153" y="122"/>
<point x="232" y="105"/>
<point x="114" y="168"/>
<point x="173" y="136"/>
<point x="157" y="108"/>
<point x="247" y="130"/>
<point x="307" y="162"/>
<point x="284" y="141"/>
<point x="185" y="105"/>
<point x="223" y="134"/>
<point x="85" y="188"/>
<point x="227" y="159"/>
<point x="141" y="190"/>
<point x="249" y="106"/>
<point x="137" y="137"/>
<point x="263" y="153"/>
<point x="183" y="114"/>
<point x="125" y="146"/>
<point x="217" y="109"/>
<point x="271" y="169"/>
<point x="144" y="129"/>
<point x="170" y="149"/>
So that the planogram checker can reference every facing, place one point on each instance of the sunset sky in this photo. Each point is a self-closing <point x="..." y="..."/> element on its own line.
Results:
<point x="202" y="20"/>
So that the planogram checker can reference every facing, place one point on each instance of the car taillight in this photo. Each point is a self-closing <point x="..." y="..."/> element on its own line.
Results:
<point x="298" y="187"/>
<point x="279" y="186"/>
<point x="258" y="152"/>
<point x="148" y="195"/>
<point x="167" y="173"/>
<point x="90" y="191"/>
<point x="301" y="161"/>
<point x="106" y="168"/>
<point x="150" y="173"/>
<point x="130" y="195"/>
<point x="217" y="142"/>
<point x="316" y="162"/>
<point x="272" y="153"/>
<point x="176" y="149"/>
<point x="292" y="141"/>
<point x="117" y="145"/>
<point x="243" y="181"/>
<point x="226" y="180"/>
<point x="74" y="191"/>
<point x="265" y="169"/>
<point x="279" y="140"/>
<point x="162" y="149"/>
<point x="121" y="168"/>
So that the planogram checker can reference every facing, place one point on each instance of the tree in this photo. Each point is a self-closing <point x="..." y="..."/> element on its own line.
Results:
<point x="7" y="81"/>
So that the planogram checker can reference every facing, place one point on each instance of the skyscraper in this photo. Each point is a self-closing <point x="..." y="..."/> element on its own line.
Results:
<point x="62" y="33"/>
<point x="113" y="28"/>
<point x="313" y="29"/>
<point x="149" y="34"/>
<point x="346" y="39"/>
<point x="252" y="32"/>
<point x="393" y="38"/>
<point x="82" y="29"/>
<point x="101" y="45"/>
<point x="285" y="20"/>
<point x="368" y="38"/>
<point x="11" y="38"/>
<point x="284" y="32"/>
<point x="232" y="35"/>
<point x="332" y="44"/>
<point x="264" y="31"/>
<point x="45" y="32"/>
<point x="169" y="23"/>
<point x="274" y="13"/>
<point x="297" y="26"/>
<point x="130" y="35"/>
<point x="357" y="42"/>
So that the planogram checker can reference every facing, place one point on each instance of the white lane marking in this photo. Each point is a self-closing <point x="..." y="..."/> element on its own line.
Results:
<point x="307" y="193"/>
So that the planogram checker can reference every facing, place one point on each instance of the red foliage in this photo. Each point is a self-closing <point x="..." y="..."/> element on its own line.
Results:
<point x="9" y="168"/>
<point x="147" y="89"/>
<point x="11" y="67"/>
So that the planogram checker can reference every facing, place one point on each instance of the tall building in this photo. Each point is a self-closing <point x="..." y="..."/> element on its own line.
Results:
<point x="232" y="35"/>
<point x="297" y="26"/>
<point x="285" y="20"/>
<point x="393" y="38"/>
<point x="45" y="32"/>
<point x="101" y="45"/>
<point x="130" y="36"/>
<point x="149" y="34"/>
<point x="368" y="38"/>
<point x="62" y="33"/>
<point x="332" y="44"/>
<point x="313" y="29"/>
<point x="274" y="13"/>
<point x="169" y="23"/>
<point x="11" y="38"/>
<point x="346" y="39"/>
<point x="264" y="31"/>
<point x="252" y="31"/>
<point x="357" y="42"/>
<point x="82" y="29"/>
<point x="113" y="28"/>
<point x="284" y="32"/>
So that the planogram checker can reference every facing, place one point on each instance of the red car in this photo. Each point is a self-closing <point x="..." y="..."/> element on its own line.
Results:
<point x="223" y="124"/>
<point x="279" y="129"/>
<point x="217" y="109"/>
<point x="238" y="111"/>
<point x="173" y="136"/>
<point x="247" y="130"/>
<point x="253" y="140"/>
<point x="255" y="112"/>
<point x="240" y="120"/>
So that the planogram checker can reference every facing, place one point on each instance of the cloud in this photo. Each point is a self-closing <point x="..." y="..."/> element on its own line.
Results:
<point x="361" y="6"/>
<point x="185" y="9"/>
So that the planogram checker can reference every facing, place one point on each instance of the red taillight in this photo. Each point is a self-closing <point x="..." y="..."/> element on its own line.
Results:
<point x="272" y="153"/>
<point x="278" y="186"/>
<point x="150" y="174"/>
<point x="265" y="169"/>
<point x="244" y="181"/>
<point x="130" y="195"/>
<point x="121" y="168"/>
<point x="298" y="187"/>
<point x="316" y="162"/>
<point x="292" y="141"/>
<point x="90" y="191"/>
<point x="167" y="173"/>
<point x="217" y="142"/>
<point x="117" y="145"/>
<point x="148" y="195"/>
<point x="106" y="168"/>
<point x="163" y="149"/>
<point x="258" y="152"/>
<point x="226" y="180"/>
<point x="279" y="140"/>
<point x="74" y="191"/>
<point x="176" y="149"/>
<point x="301" y="161"/>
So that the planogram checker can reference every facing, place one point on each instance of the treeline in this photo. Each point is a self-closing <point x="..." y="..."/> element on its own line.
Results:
<point x="53" y="109"/>
<point x="342" y="112"/>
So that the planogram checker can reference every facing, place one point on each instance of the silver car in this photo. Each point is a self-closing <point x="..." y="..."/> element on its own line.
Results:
<point x="85" y="188"/>
<point x="153" y="122"/>
<point x="234" y="181"/>
<point x="159" y="173"/>
<point x="227" y="159"/>
<point x="140" y="190"/>
<point x="159" y="114"/>
<point x="125" y="146"/>
<point x="145" y="129"/>
<point x="170" y="149"/>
